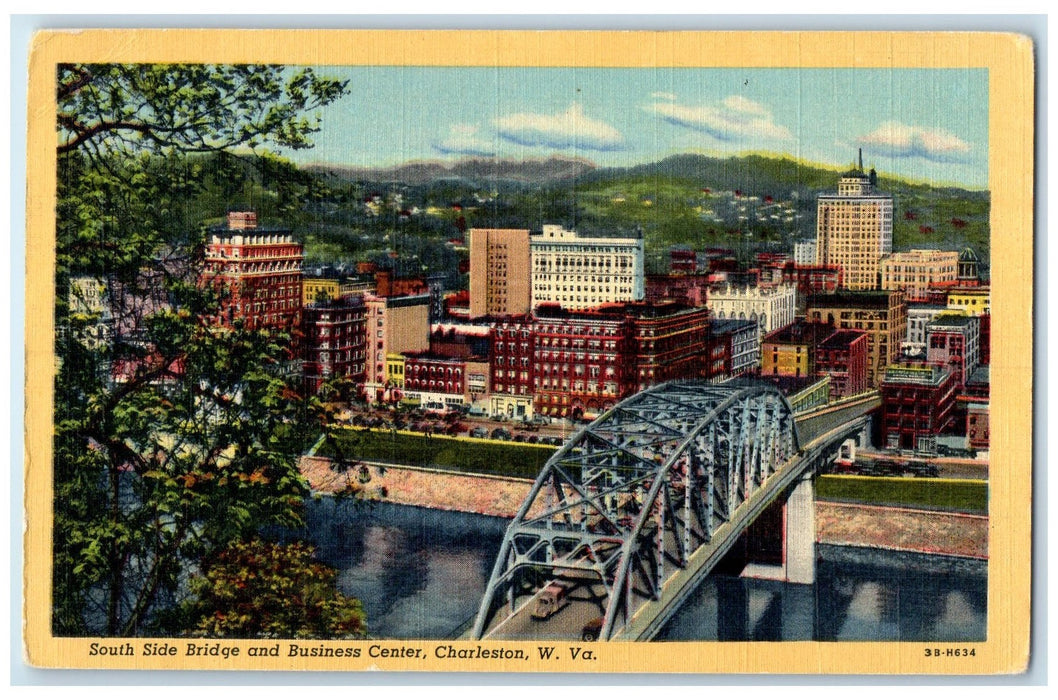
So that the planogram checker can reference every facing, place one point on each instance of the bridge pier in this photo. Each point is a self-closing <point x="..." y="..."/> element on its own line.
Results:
<point x="794" y="534"/>
<point x="800" y="533"/>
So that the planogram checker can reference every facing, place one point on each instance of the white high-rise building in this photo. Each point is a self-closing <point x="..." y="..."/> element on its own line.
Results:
<point x="579" y="272"/>
<point x="854" y="228"/>
<point x="804" y="252"/>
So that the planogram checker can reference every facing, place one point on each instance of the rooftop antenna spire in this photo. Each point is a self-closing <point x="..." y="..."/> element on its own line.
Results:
<point x="861" y="160"/>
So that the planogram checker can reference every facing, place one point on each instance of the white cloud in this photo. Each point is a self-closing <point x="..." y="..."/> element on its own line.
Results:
<point x="734" y="118"/>
<point x="570" y="129"/>
<point x="670" y="97"/>
<point x="904" y="141"/>
<point x="463" y="140"/>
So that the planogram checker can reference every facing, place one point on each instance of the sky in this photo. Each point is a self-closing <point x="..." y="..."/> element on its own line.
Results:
<point x="926" y="125"/>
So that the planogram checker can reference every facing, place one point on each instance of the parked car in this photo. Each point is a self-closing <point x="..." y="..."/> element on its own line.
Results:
<point x="479" y="432"/>
<point x="501" y="434"/>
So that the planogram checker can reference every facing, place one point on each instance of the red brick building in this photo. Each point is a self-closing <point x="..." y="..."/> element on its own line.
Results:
<point x="334" y="341"/>
<point x="388" y="285"/>
<point x="586" y="361"/>
<point x="975" y="397"/>
<point x="463" y="340"/>
<point x="917" y="405"/>
<point x="257" y="272"/>
<point x="687" y="289"/>
<point x="814" y="279"/>
<point x="511" y="366"/>
<point x="583" y="361"/>
<point x="670" y="341"/>
<point x="843" y="355"/>
<point x="683" y="261"/>
<point x="431" y="374"/>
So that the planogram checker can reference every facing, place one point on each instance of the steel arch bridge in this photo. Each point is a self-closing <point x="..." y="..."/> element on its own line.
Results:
<point x="632" y="496"/>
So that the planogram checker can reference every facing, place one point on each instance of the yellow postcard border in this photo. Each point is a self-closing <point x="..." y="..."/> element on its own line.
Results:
<point x="1009" y="60"/>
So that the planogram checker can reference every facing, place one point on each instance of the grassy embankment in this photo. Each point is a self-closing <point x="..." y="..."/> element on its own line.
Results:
<point x="962" y="495"/>
<point x="525" y="461"/>
<point x="450" y="454"/>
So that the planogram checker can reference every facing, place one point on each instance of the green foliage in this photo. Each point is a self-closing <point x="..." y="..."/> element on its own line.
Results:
<point x="194" y="450"/>
<point x="174" y="438"/>
<point x="261" y="589"/>
<point x="962" y="495"/>
<point x="173" y="109"/>
<point x="452" y="454"/>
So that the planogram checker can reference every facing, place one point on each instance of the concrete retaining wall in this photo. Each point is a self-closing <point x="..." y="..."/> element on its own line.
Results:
<point x="901" y="529"/>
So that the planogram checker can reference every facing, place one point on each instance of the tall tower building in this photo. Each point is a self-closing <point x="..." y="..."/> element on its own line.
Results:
<point x="499" y="272"/>
<point x="854" y="228"/>
<point x="257" y="272"/>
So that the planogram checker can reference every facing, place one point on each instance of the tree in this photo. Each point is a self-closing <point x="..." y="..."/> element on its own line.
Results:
<point x="174" y="439"/>
<point x="262" y="589"/>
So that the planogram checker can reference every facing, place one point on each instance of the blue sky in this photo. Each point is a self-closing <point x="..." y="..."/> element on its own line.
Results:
<point x="928" y="125"/>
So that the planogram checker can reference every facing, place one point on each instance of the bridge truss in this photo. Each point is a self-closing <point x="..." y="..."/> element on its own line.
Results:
<point x="629" y="498"/>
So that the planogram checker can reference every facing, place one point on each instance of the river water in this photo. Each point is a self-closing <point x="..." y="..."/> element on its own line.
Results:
<point x="421" y="574"/>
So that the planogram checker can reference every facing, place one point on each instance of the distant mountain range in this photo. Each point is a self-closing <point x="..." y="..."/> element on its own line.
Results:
<point x="675" y="201"/>
<point x="752" y="173"/>
<point x="481" y="171"/>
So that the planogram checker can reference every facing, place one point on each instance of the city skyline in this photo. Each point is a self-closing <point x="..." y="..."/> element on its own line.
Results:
<point x="924" y="125"/>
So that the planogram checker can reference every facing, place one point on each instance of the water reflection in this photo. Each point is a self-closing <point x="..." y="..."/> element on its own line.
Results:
<point x="421" y="574"/>
<point x="859" y="595"/>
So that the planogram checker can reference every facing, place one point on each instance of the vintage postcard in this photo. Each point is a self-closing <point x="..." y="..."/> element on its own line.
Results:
<point x="530" y="351"/>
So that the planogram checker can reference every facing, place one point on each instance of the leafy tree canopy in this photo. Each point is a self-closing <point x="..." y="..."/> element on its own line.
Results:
<point x="262" y="589"/>
<point x="174" y="438"/>
<point x="170" y="109"/>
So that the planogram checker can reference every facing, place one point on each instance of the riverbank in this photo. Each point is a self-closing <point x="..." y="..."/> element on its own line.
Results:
<point x="902" y="529"/>
<point x="430" y="488"/>
<point x="849" y="524"/>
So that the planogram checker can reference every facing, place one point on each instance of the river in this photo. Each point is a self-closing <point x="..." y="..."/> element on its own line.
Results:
<point x="421" y="573"/>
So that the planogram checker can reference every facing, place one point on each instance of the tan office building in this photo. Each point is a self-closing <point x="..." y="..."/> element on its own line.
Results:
<point x="917" y="271"/>
<point x="854" y="229"/>
<point x="882" y="314"/>
<point x="395" y="325"/>
<point x="499" y="272"/>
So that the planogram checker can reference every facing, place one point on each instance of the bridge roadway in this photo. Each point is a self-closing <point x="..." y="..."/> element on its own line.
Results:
<point x="821" y="431"/>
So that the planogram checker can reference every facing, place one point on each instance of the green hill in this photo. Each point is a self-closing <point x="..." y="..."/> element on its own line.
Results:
<point x="756" y="202"/>
<point x="746" y="203"/>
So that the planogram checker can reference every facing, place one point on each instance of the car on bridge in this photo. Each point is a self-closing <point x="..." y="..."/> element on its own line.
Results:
<point x="591" y="631"/>
<point x="552" y="599"/>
